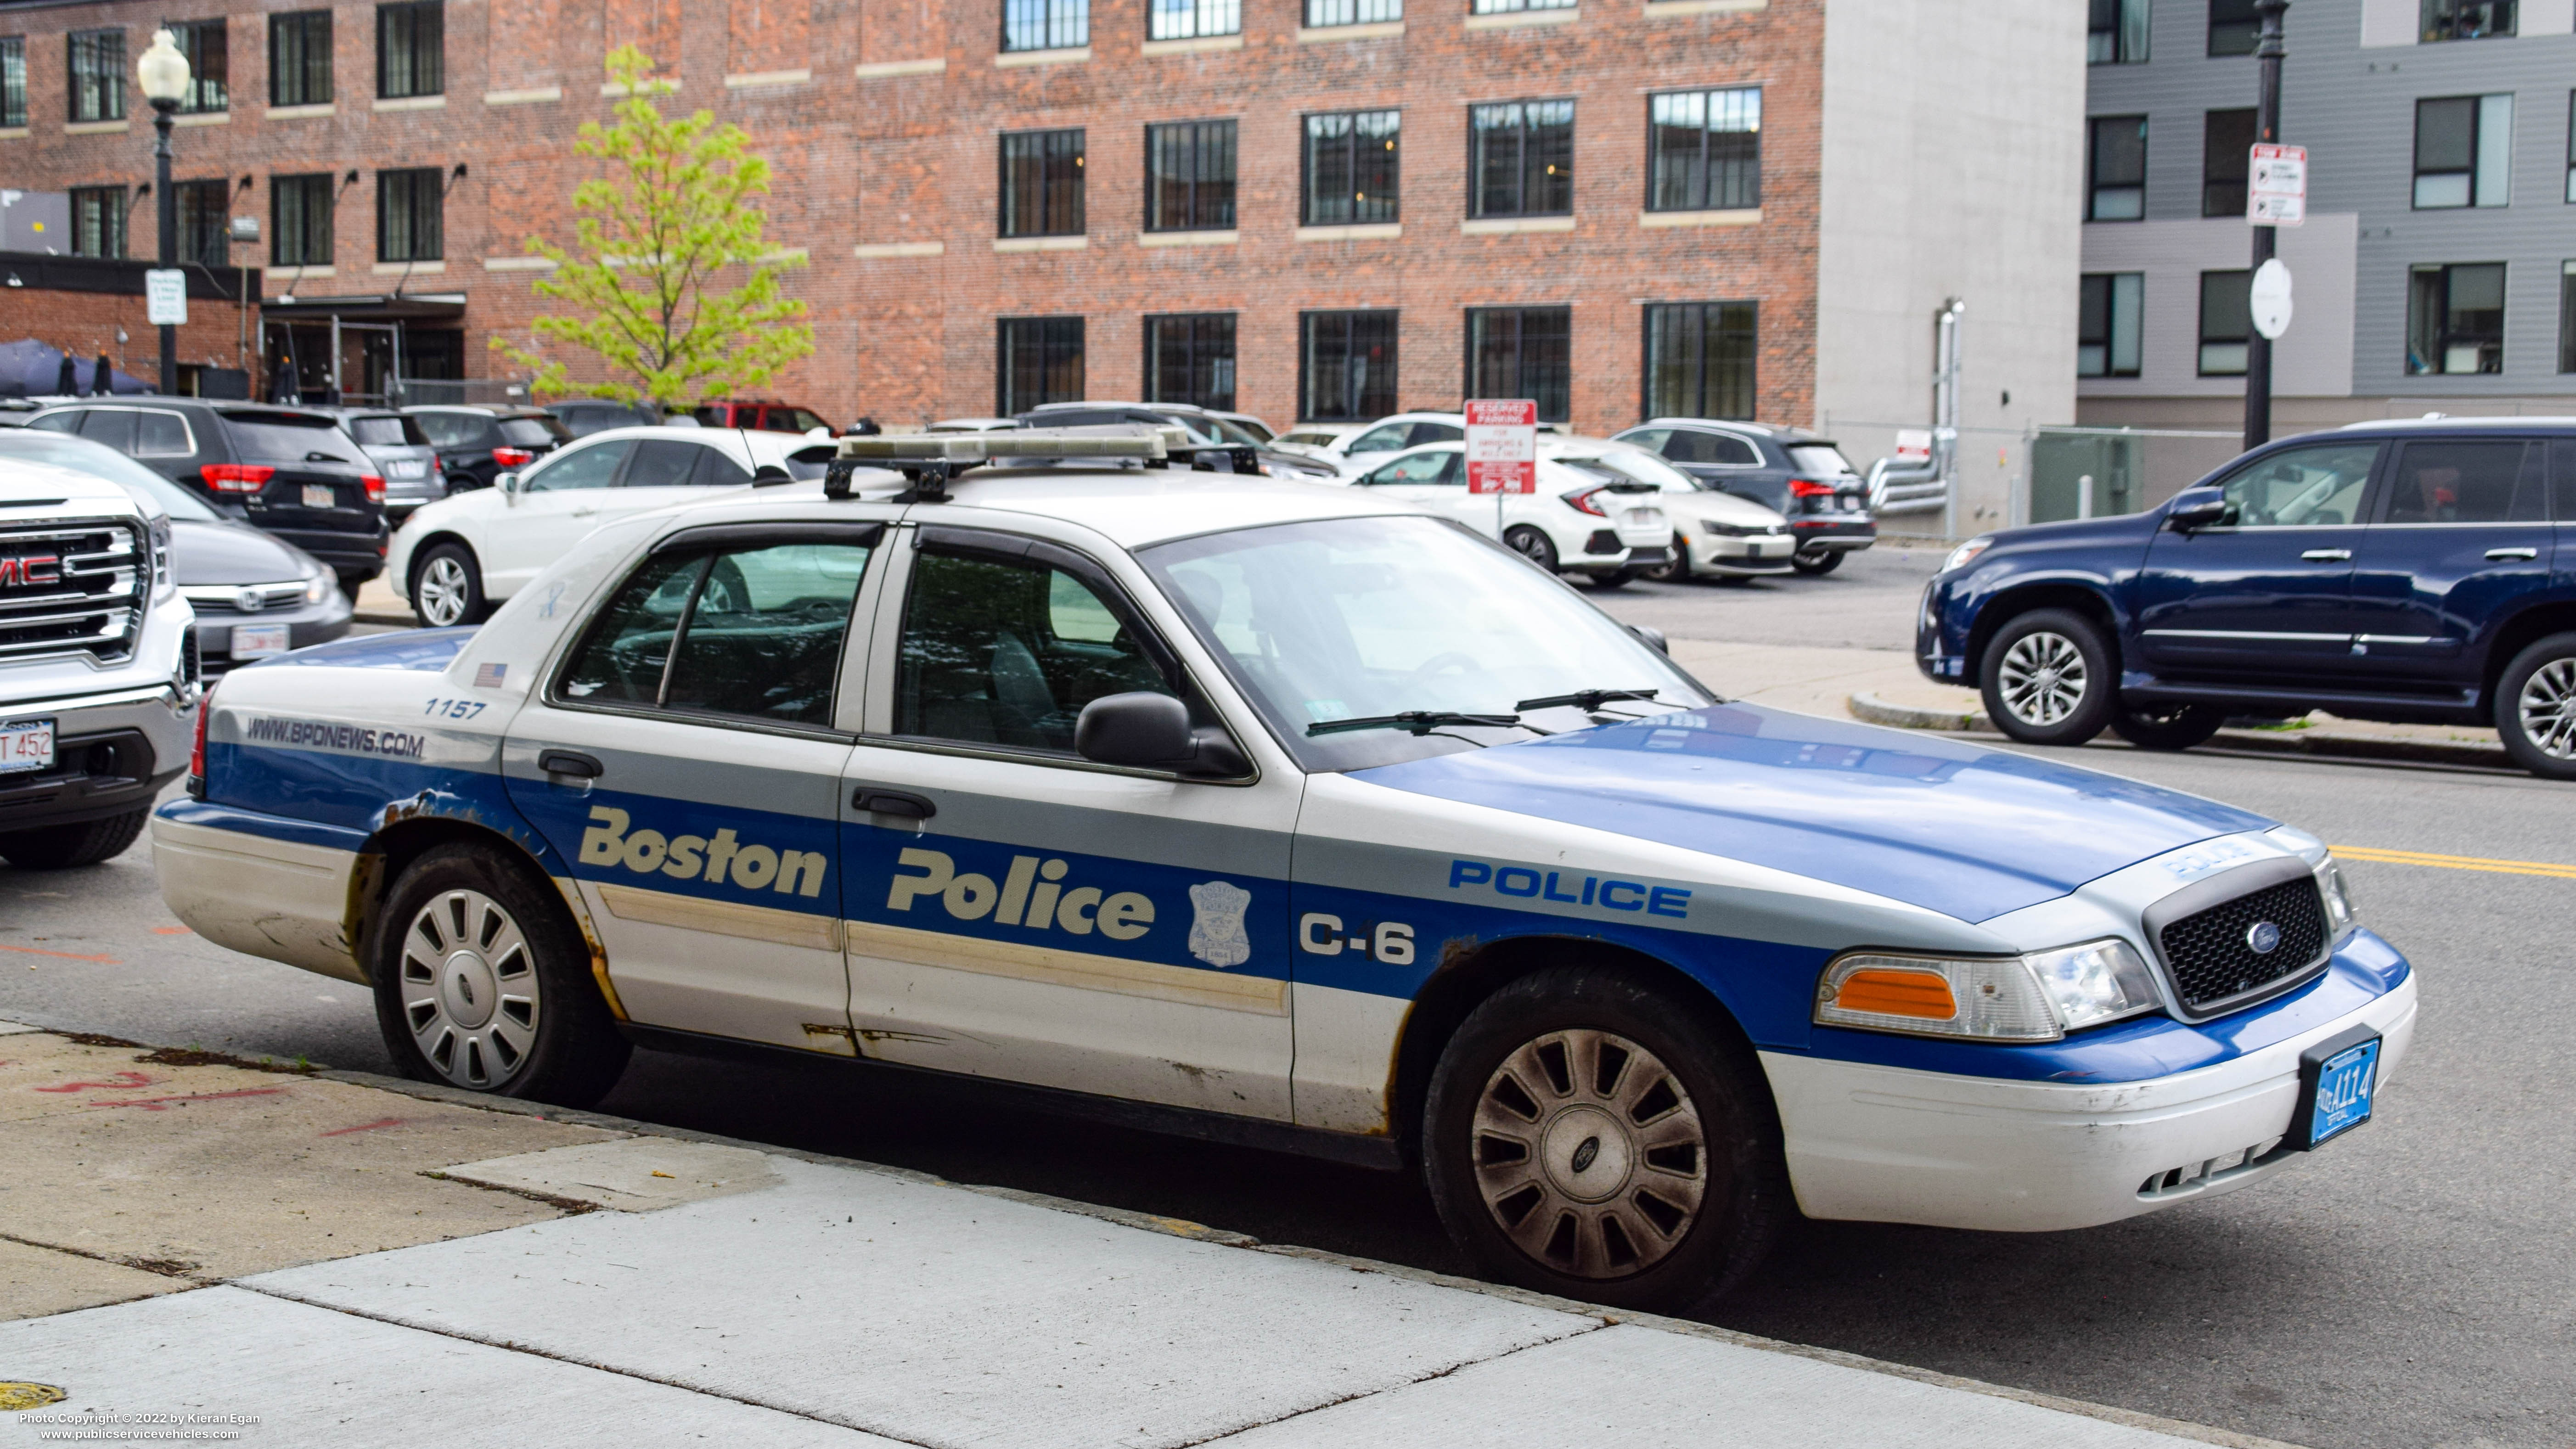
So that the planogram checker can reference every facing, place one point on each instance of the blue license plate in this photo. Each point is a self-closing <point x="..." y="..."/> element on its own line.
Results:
<point x="2341" y="1077"/>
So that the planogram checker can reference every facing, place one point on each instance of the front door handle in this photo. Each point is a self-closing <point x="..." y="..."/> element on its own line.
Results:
<point x="2505" y="555"/>
<point x="2328" y="555"/>
<point x="572" y="763"/>
<point x="893" y="802"/>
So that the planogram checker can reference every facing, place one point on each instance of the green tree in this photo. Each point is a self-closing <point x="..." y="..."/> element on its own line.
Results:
<point x="674" y="209"/>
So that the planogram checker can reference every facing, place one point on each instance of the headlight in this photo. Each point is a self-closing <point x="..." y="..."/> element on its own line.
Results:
<point x="162" y="584"/>
<point x="2036" y="997"/>
<point x="1966" y="553"/>
<point x="2339" y="912"/>
<point x="318" y="588"/>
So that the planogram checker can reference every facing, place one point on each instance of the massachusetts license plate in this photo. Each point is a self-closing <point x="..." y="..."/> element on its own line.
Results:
<point x="320" y="495"/>
<point x="26" y="744"/>
<point x="258" y="641"/>
<point x="407" y="468"/>
<point x="2338" y="1078"/>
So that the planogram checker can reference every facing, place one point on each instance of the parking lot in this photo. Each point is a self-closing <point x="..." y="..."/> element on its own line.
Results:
<point x="2408" y="1286"/>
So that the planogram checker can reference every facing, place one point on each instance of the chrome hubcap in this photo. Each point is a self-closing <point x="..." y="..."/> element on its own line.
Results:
<point x="443" y="588"/>
<point x="2548" y="709"/>
<point x="1589" y="1154"/>
<point x="469" y="989"/>
<point x="2043" y="678"/>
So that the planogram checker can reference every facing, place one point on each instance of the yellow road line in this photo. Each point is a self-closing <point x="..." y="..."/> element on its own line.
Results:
<point x="2454" y="862"/>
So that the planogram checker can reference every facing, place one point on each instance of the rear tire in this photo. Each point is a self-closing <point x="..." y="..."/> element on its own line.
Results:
<point x="447" y="588"/>
<point x="1589" y="1135"/>
<point x="2178" y="727"/>
<point x="2535" y="708"/>
<point x="482" y="982"/>
<point x="60" y="847"/>
<point x="1817" y="562"/>
<point x="1532" y="544"/>
<point x="2048" y="678"/>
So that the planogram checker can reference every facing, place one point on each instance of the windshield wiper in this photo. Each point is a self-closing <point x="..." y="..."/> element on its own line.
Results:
<point x="1586" y="700"/>
<point x="1415" y="721"/>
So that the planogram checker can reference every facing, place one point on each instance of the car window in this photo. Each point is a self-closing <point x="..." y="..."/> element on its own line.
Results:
<point x="1250" y="429"/>
<point x="1819" y="460"/>
<point x="290" y="437"/>
<point x="1202" y="431"/>
<point x="450" y="430"/>
<point x="1381" y="440"/>
<point x="2562" y="480"/>
<point x="81" y="455"/>
<point x="662" y="465"/>
<point x="591" y="467"/>
<point x="2463" y="482"/>
<point x="66" y="421"/>
<point x="717" y="469"/>
<point x="1008" y="651"/>
<point x="712" y="415"/>
<point x="1436" y="433"/>
<point x="109" y="428"/>
<point x="752" y="632"/>
<point x="389" y="431"/>
<point x="541" y="431"/>
<point x="162" y="435"/>
<point x="1308" y="439"/>
<point x="805" y="422"/>
<point x="1723" y="450"/>
<point x="804" y="465"/>
<point x="1625" y="465"/>
<point x="1416" y="468"/>
<point x="2311" y="487"/>
<point x="1651" y="439"/>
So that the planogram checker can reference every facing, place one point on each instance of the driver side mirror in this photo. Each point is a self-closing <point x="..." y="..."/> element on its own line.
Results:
<point x="1145" y="730"/>
<point x="506" y="482"/>
<point x="2191" y="513"/>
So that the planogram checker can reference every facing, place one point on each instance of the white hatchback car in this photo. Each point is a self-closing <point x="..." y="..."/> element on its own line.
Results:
<point x="1715" y="534"/>
<point x="459" y="557"/>
<point x="1586" y="517"/>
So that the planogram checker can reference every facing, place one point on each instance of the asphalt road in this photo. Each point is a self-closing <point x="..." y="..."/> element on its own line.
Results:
<point x="2412" y="1285"/>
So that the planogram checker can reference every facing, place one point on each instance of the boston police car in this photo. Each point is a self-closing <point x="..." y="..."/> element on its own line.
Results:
<point x="1275" y="814"/>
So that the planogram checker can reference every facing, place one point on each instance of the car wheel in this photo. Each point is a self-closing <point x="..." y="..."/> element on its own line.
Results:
<point x="1589" y="1135"/>
<point x="447" y="589"/>
<point x="2535" y="708"/>
<point x="482" y="983"/>
<point x="2172" y="727"/>
<point x="1816" y="562"/>
<point x="59" y="847"/>
<point x="2048" y="678"/>
<point x="1532" y="544"/>
<point x="1674" y="570"/>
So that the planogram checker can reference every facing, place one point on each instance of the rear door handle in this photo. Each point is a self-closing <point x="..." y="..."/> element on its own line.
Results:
<point x="893" y="802"/>
<point x="570" y="762"/>
<point x="2502" y="555"/>
<point x="2328" y="555"/>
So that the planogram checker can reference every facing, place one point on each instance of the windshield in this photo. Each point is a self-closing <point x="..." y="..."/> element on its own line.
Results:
<point x="1819" y="460"/>
<point x="389" y="431"/>
<point x="542" y="431"/>
<point x="1641" y="467"/>
<point x="290" y="438"/>
<point x="99" y="461"/>
<point x="1228" y="430"/>
<point x="1358" y="617"/>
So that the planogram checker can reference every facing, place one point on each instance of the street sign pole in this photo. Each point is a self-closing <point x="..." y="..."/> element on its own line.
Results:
<point x="2267" y="132"/>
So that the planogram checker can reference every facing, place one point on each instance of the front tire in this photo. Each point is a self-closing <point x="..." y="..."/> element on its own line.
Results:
<point x="61" y="847"/>
<point x="2535" y="708"/>
<point x="447" y="588"/>
<point x="1591" y="1136"/>
<point x="2177" y="727"/>
<point x="1815" y="563"/>
<point x="1532" y="544"/>
<point x="2049" y="679"/>
<point x="482" y="983"/>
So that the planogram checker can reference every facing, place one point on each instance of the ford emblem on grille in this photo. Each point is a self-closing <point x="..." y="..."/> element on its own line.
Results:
<point x="2263" y="937"/>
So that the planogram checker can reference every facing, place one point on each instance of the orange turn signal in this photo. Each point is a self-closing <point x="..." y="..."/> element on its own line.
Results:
<point x="1924" y="995"/>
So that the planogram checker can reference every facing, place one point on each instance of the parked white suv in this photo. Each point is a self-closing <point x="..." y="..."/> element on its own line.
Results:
<point x="98" y="682"/>
<point x="1585" y="518"/>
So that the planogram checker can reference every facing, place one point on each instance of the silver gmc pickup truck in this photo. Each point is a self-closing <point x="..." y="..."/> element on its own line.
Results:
<point x="98" y="677"/>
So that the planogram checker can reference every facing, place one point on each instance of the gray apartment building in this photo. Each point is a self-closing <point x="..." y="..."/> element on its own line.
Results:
<point x="2436" y="270"/>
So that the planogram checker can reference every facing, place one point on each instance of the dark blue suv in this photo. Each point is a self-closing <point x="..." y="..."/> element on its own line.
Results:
<point x="2418" y="571"/>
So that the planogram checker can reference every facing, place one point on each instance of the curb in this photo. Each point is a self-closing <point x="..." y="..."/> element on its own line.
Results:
<point x="2320" y="744"/>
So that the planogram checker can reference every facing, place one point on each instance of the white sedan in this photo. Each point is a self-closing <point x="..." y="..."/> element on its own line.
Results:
<point x="1586" y="517"/>
<point x="459" y="557"/>
<point x="1715" y="534"/>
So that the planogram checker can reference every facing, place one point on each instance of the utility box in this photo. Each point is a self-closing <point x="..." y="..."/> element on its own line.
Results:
<point x="36" y="221"/>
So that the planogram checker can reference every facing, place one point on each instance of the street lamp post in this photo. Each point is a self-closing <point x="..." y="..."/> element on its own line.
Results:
<point x="163" y="72"/>
<point x="2267" y="130"/>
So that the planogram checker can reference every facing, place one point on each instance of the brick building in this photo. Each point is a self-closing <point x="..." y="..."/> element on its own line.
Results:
<point x="1304" y="208"/>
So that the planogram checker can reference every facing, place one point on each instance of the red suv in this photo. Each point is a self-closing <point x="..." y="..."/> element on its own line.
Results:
<point x="766" y="417"/>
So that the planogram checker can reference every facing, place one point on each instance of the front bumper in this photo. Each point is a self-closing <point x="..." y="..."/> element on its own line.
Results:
<point x="112" y="753"/>
<point x="307" y="625"/>
<point x="350" y="555"/>
<point x="1739" y="555"/>
<point x="1889" y="1144"/>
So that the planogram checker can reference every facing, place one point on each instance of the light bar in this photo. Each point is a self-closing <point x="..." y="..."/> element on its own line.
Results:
<point x="965" y="450"/>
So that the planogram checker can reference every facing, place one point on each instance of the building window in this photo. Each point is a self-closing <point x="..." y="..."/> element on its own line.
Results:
<point x="2115" y="184"/>
<point x="2567" y="330"/>
<point x="2455" y="319"/>
<point x="2118" y="34"/>
<point x="1699" y="360"/>
<point x="1189" y="176"/>
<point x="1345" y="366"/>
<point x="1190" y="19"/>
<point x="2226" y="151"/>
<point x="299" y="231"/>
<point x="299" y="59"/>
<point x="1704" y="150"/>
<point x="2467" y="19"/>
<point x="1515" y="352"/>
<point x="1520" y="159"/>
<point x="2463" y="151"/>
<point x="1351" y="167"/>
<point x="97" y="75"/>
<point x="411" y="49"/>
<point x="1045" y="24"/>
<point x="1321" y="13"/>
<point x="13" y="81"/>
<point x="2226" y="323"/>
<point x="1189" y="358"/>
<point x="98" y="221"/>
<point x="202" y="42"/>
<point x="2107" y="323"/>
<point x="2234" y="28"/>
<point x="1506" y="7"/>
<point x="1042" y="183"/>
<point x="408" y="204"/>
<point x="1038" y="361"/>
<point x="205" y="211"/>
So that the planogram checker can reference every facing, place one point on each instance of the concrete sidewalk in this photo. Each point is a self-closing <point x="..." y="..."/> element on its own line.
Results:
<point x="341" y="1259"/>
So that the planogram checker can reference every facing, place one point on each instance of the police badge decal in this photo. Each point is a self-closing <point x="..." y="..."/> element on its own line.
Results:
<point x="1216" y="925"/>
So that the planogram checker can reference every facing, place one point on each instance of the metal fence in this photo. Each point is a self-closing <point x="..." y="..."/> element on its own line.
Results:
<point x="423" y="391"/>
<point x="2096" y="472"/>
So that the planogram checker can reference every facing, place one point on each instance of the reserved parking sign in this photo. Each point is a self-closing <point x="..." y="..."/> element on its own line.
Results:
<point x="1502" y="446"/>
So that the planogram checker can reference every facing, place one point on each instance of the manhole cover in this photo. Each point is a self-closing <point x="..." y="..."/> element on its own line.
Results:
<point x="28" y="1396"/>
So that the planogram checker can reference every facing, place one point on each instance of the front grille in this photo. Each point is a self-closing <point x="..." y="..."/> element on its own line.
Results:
<point x="71" y="587"/>
<point x="2211" y="959"/>
<point x="227" y="598"/>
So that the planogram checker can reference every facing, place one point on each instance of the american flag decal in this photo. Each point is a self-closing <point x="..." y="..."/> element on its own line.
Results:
<point x="488" y="676"/>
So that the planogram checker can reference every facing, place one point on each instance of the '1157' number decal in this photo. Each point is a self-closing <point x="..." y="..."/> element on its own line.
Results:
<point x="455" y="708"/>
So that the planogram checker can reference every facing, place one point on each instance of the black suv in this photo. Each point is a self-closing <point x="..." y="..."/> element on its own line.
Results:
<point x="1794" y="473"/>
<point x="478" y="444"/>
<point x="288" y="472"/>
